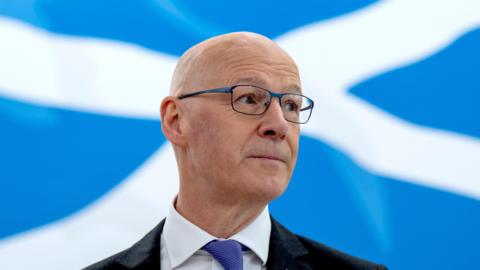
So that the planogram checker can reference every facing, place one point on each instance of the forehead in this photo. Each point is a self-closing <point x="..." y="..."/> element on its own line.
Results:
<point x="280" y="75"/>
<point x="257" y="62"/>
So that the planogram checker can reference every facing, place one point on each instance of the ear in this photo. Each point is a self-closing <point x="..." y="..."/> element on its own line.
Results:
<point x="170" y="114"/>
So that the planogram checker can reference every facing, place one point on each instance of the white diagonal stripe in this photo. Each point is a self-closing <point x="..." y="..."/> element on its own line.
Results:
<point x="81" y="73"/>
<point x="336" y="55"/>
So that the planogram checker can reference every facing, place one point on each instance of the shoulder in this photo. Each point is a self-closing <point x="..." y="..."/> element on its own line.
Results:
<point x="309" y="254"/>
<point x="319" y="253"/>
<point x="109" y="263"/>
<point x="145" y="254"/>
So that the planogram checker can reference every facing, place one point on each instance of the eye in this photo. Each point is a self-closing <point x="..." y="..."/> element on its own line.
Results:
<point x="291" y="106"/>
<point x="247" y="99"/>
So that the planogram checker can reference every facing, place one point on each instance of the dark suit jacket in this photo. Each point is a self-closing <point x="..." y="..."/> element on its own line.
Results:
<point x="287" y="251"/>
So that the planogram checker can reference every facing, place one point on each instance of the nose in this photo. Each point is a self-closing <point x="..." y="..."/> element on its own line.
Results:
<point x="273" y="126"/>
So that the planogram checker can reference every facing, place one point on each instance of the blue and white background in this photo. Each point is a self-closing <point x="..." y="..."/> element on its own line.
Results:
<point x="389" y="165"/>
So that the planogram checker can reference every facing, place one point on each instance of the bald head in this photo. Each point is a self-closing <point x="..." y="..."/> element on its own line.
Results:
<point x="207" y="64"/>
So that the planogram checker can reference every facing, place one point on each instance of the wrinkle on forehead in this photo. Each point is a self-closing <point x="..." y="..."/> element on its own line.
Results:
<point x="201" y="65"/>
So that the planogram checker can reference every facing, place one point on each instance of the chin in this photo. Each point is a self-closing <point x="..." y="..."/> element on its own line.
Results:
<point x="271" y="188"/>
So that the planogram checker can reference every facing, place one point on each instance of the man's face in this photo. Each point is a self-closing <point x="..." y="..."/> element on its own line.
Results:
<point x="236" y="155"/>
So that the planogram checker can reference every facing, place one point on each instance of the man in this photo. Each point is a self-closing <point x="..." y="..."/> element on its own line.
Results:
<point x="233" y="117"/>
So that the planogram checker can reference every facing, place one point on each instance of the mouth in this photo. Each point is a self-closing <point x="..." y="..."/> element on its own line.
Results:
<point x="268" y="158"/>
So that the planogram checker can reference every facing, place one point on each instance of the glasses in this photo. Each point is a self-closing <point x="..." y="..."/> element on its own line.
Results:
<point x="254" y="100"/>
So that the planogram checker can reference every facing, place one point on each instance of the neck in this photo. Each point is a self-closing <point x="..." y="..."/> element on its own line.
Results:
<point x="220" y="219"/>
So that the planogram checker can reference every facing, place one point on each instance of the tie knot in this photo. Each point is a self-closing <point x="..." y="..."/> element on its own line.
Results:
<point x="227" y="252"/>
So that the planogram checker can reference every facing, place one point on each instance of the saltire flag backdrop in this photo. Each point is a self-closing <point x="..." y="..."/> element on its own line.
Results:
<point x="389" y="164"/>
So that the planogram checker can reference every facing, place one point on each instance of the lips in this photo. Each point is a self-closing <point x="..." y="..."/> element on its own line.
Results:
<point x="268" y="157"/>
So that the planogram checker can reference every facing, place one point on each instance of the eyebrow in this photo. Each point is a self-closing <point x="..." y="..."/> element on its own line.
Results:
<point x="295" y="87"/>
<point x="259" y="82"/>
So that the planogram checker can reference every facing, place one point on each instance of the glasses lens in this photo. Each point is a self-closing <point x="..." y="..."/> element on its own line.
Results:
<point x="253" y="100"/>
<point x="296" y="108"/>
<point x="250" y="99"/>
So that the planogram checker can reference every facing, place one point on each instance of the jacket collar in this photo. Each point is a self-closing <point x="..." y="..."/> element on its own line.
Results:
<point x="284" y="250"/>
<point x="145" y="254"/>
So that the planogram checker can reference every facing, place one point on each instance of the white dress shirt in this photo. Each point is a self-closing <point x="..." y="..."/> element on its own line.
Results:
<point x="181" y="243"/>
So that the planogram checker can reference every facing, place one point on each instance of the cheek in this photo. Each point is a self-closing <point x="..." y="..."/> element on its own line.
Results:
<point x="203" y="138"/>
<point x="294" y="143"/>
<point x="213" y="144"/>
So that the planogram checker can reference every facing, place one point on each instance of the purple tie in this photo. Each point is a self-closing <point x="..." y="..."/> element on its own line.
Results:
<point x="227" y="252"/>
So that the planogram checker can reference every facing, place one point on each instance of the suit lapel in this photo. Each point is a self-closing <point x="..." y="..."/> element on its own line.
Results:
<point x="145" y="254"/>
<point x="284" y="250"/>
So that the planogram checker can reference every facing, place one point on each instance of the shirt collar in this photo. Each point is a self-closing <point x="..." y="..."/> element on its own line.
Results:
<point x="183" y="238"/>
<point x="256" y="236"/>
